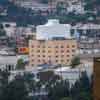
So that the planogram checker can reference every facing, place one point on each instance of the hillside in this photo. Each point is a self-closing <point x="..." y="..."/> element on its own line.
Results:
<point x="22" y="15"/>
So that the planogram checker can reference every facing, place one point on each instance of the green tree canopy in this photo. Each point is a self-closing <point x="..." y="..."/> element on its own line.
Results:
<point x="20" y="64"/>
<point x="75" y="62"/>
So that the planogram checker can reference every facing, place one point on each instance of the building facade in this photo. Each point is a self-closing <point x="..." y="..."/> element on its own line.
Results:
<point x="96" y="83"/>
<point x="51" y="51"/>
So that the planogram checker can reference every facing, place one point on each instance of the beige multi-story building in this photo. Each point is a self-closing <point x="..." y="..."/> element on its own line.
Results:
<point x="52" y="51"/>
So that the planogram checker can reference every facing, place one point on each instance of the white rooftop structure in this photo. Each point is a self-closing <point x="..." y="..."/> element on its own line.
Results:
<point x="73" y="74"/>
<point x="53" y="29"/>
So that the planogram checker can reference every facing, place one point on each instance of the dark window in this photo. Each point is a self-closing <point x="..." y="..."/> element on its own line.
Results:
<point x="43" y="46"/>
<point x="62" y="55"/>
<point x="56" y="56"/>
<point x="62" y="60"/>
<point x="43" y="55"/>
<point x="73" y="46"/>
<point x="32" y="55"/>
<point x="56" y="51"/>
<point x="56" y="46"/>
<point x="38" y="55"/>
<point x="43" y="51"/>
<point x="49" y="47"/>
<point x="73" y="50"/>
<point x="56" y="60"/>
<point x="32" y="60"/>
<point x="38" y="46"/>
<point x="39" y="60"/>
<point x="62" y="46"/>
<point x="32" y="46"/>
<point x="49" y="51"/>
<point x="67" y="55"/>
<point x="68" y="51"/>
<point x="38" y="51"/>
<point x="62" y="51"/>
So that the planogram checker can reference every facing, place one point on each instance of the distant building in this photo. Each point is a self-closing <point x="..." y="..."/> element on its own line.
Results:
<point x="10" y="28"/>
<point x="52" y="52"/>
<point x="88" y="37"/>
<point x="8" y="62"/>
<point x="68" y="5"/>
<point x="96" y="83"/>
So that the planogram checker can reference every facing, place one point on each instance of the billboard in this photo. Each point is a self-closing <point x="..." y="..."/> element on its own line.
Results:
<point x="23" y="50"/>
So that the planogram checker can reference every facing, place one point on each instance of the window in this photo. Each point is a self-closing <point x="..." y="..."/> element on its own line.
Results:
<point x="49" y="47"/>
<point x="38" y="51"/>
<point x="62" y="46"/>
<point x="32" y="64"/>
<point x="56" y="60"/>
<point x="62" y="51"/>
<point x="38" y="46"/>
<point x="56" y="46"/>
<point x="43" y="55"/>
<point x="67" y="46"/>
<point x="56" y="56"/>
<point x="62" y="60"/>
<point x="49" y="56"/>
<point x="68" y="51"/>
<point x="32" y="46"/>
<point x="56" y="51"/>
<point x="73" y="50"/>
<point x="72" y="55"/>
<point x="43" y="51"/>
<point x="73" y="46"/>
<point x="39" y="60"/>
<point x="67" y="55"/>
<point x="49" y="51"/>
<point x="62" y="55"/>
<point x="32" y="60"/>
<point x="43" y="46"/>
<point x="32" y="55"/>
<point x="38" y="55"/>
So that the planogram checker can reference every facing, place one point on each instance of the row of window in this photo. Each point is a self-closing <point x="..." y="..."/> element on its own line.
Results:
<point x="50" y="56"/>
<point x="56" y="61"/>
<point x="62" y="51"/>
<point x="62" y="46"/>
<point x="43" y="61"/>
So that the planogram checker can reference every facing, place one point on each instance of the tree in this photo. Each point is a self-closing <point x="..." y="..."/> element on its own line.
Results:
<point x="75" y="62"/>
<point x="30" y="82"/>
<point x="66" y="98"/>
<point x="2" y="31"/>
<point x="81" y="90"/>
<point x="58" y="90"/>
<point x="16" y="90"/>
<point x="89" y="5"/>
<point x="60" y="7"/>
<point x="20" y="64"/>
<point x="4" y="77"/>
